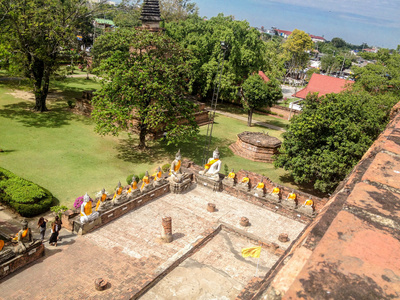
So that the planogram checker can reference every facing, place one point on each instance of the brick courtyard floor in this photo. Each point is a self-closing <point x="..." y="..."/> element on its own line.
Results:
<point x="128" y="253"/>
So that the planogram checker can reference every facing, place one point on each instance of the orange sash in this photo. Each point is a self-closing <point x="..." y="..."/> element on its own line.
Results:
<point x="207" y="166"/>
<point x="245" y="180"/>
<point x="145" y="181"/>
<point x="25" y="232"/>
<point x="275" y="191"/>
<point x="119" y="191"/>
<point x="1" y="244"/>
<point x="231" y="175"/>
<point x="309" y="202"/>
<point x="87" y="209"/>
<point x="292" y="196"/>
<point x="260" y="185"/>
<point x="134" y="185"/>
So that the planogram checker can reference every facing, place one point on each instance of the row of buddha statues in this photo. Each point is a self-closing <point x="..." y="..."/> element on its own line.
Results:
<point x="260" y="190"/>
<point x="135" y="189"/>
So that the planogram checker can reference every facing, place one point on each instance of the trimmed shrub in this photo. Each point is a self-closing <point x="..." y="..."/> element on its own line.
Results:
<point x="27" y="198"/>
<point x="166" y="167"/>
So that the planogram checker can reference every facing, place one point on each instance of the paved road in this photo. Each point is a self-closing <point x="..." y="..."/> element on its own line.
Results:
<point x="255" y="122"/>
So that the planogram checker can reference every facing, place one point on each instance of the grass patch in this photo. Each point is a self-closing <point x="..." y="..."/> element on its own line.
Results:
<point x="238" y="110"/>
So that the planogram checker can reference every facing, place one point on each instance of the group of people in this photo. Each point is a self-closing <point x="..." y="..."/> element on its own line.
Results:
<point x="55" y="229"/>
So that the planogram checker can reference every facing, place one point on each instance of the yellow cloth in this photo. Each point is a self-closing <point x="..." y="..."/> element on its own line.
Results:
<point x="1" y="244"/>
<point x="87" y="209"/>
<point x="102" y="199"/>
<point x="207" y="166"/>
<point x="292" y="196"/>
<point x="231" y="175"/>
<point x="145" y="181"/>
<point x="119" y="191"/>
<point x="252" y="251"/>
<point x="260" y="185"/>
<point x="25" y="232"/>
<point x="309" y="202"/>
<point x="275" y="191"/>
<point x="245" y="179"/>
<point x="155" y="175"/>
<point x="177" y="166"/>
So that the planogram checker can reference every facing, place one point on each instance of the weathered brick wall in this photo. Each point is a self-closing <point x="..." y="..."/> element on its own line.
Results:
<point x="21" y="260"/>
<point x="254" y="153"/>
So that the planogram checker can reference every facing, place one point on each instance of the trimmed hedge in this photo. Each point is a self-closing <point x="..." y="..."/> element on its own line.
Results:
<point x="27" y="198"/>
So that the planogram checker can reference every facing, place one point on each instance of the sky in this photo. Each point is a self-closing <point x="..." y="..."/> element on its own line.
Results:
<point x="375" y="22"/>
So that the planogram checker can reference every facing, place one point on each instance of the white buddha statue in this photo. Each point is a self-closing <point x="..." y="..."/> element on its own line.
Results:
<point x="87" y="214"/>
<point x="212" y="167"/>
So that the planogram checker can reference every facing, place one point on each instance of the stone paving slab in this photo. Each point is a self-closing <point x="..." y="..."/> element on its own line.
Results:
<point x="216" y="271"/>
<point x="128" y="251"/>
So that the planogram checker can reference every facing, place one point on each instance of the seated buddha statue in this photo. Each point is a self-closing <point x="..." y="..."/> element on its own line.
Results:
<point x="119" y="197"/>
<point x="145" y="183"/>
<point x="175" y="170"/>
<point x="133" y="189"/>
<point x="102" y="203"/>
<point x="87" y="214"/>
<point x="244" y="184"/>
<point x="157" y="178"/>
<point x="276" y="193"/>
<point x="23" y="238"/>
<point x="260" y="188"/>
<point x="212" y="167"/>
<point x="309" y="203"/>
<point x="292" y="197"/>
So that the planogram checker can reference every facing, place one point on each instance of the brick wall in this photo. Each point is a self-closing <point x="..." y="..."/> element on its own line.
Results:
<point x="254" y="153"/>
<point x="21" y="260"/>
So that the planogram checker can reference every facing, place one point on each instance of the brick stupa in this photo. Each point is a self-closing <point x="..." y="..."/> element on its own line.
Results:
<point x="151" y="16"/>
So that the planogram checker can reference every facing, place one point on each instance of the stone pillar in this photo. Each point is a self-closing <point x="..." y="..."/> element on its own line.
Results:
<point x="211" y="207"/>
<point x="283" y="237"/>
<point x="244" y="222"/>
<point x="166" y="235"/>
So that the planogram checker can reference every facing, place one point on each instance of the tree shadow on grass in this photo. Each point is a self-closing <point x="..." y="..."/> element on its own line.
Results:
<point x="306" y="188"/>
<point x="56" y="117"/>
<point x="160" y="150"/>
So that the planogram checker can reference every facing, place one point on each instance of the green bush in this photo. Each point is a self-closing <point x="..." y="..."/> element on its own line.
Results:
<point x="27" y="198"/>
<point x="166" y="167"/>
<point x="129" y="178"/>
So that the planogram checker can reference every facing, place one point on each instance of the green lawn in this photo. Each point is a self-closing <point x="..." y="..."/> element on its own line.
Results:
<point x="238" y="110"/>
<point x="60" y="151"/>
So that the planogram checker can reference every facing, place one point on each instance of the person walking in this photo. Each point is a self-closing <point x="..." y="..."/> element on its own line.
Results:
<point x="42" y="223"/>
<point x="54" y="234"/>
<point x="58" y="227"/>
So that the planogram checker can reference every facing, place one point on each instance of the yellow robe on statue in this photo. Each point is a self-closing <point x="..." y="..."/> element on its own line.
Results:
<point x="102" y="199"/>
<point x="207" y="166"/>
<point x="309" y="202"/>
<point x="245" y="180"/>
<point x="145" y="181"/>
<point x="260" y="185"/>
<point x="87" y="209"/>
<point x="231" y="175"/>
<point x="275" y="191"/>
<point x="292" y="196"/>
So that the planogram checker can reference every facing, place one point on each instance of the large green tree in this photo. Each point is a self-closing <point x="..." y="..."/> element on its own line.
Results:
<point x="330" y="136"/>
<point x="37" y="31"/>
<point x="144" y="84"/>
<point x="245" y="54"/>
<point x="297" y="46"/>
<point x="257" y="94"/>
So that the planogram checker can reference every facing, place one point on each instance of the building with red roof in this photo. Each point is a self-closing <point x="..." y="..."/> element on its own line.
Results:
<point x="323" y="84"/>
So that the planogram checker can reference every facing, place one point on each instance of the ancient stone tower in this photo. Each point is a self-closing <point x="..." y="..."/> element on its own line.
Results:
<point x="151" y="15"/>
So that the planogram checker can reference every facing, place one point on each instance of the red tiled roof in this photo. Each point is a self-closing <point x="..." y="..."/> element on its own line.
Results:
<point x="323" y="85"/>
<point x="284" y="31"/>
<point x="316" y="37"/>
<point x="263" y="76"/>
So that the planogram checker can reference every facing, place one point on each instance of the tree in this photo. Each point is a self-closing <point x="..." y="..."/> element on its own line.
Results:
<point x="338" y="42"/>
<point x="245" y="55"/>
<point x="296" y="46"/>
<point x="330" y="136"/>
<point x="257" y="94"/>
<point x="143" y="88"/>
<point x="37" y="31"/>
<point x="177" y="10"/>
